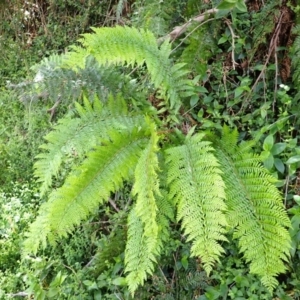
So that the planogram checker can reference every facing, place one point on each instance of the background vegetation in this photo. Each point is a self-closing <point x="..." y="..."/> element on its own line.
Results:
<point x="244" y="62"/>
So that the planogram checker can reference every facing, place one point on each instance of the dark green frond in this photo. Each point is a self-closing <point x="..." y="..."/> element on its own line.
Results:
<point x="102" y="172"/>
<point x="53" y="81"/>
<point x="197" y="189"/>
<point x="255" y="210"/>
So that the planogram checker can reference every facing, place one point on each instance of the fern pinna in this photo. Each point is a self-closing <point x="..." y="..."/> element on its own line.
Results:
<point x="211" y="186"/>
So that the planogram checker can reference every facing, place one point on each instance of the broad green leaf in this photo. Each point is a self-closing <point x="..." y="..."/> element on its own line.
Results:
<point x="293" y="159"/>
<point x="222" y="40"/>
<point x="194" y="100"/>
<point x="119" y="281"/>
<point x="278" y="148"/>
<point x="269" y="162"/>
<point x="279" y="165"/>
<point x="226" y="5"/>
<point x="268" y="143"/>
<point x="241" y="6"/>
<point x="297" y="199"/>
<point x="201" y="89"/>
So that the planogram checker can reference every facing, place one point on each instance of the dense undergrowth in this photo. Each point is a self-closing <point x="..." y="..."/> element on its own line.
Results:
<point x="243" y="62"/>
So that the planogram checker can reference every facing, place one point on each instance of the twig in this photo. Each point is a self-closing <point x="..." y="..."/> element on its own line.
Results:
<point x="286" y="186"/>
<point x="276" y="80"/>
<point x="113" y="204"/>
<point x="19" y="294"/>
<point x="179" y="30"/>
<point x="273" y="44"/>
<point x="208" y="20"/>
<point x="162" y="273"/>
<point x="53" y="108"/>
<point x="233" y="36"/>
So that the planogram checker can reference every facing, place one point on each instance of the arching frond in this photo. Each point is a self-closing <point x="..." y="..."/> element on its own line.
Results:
<point x="76" y="136"/>
<point x="88" y="185"/>
<point x="146" y="186"/>
<point x="255" y="209"/>
<point x="197" y="189"/>
<point x="130" y="46"/>
<point x="140" y="259"/>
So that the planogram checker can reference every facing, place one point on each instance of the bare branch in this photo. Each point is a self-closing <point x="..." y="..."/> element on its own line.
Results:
<point x="179" y="30"/>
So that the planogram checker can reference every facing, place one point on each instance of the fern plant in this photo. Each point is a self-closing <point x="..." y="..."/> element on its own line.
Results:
<point x="210" y="186"/>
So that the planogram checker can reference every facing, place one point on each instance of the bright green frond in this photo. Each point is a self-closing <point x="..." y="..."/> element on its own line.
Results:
<point x="197" y="189"/>
<point x="255" y="210"/>
<point x="140" y="253"/>
<point x="149" y="220"/>
<point x="130" y="46"/>
<point x="102" y="172"/>
<point x="73" y="137"/>
<point x="146" y="186"/>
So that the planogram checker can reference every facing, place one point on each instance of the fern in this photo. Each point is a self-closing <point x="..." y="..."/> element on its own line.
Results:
<point x="90" y="184"/>
<point x="77" y="136"/>
<point x="200" y="204"/>
<point x="255" y="209"/>
<point x="214" y="185"/>
<point x="140" y="253"/>
<point x="124" y="45"/>
<point x="149" y="220"/>
<point x="53" y="81"/>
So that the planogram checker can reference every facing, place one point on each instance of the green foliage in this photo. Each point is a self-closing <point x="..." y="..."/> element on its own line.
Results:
<point x="74" y="137"/>
<point x="255" y="209"/>
<point x="17" y="210"/>
<point x="157" y="16"/>
<point x="296" y="59"/>
<point x="129" y="46"/>
<point x="196" y="189"/>
<point x="200" y="204"/>
<point x="236" y="77"/>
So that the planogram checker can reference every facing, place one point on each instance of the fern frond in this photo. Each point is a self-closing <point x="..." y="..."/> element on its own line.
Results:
<point x="53" y="80"/>
<point x="151" y="215"/>
<point x="76" y="136"/>
<point x="146" y="186"/>
<point x="130" y="46"/>
<point x="198" y="191"/>
<point x="119" y="9"/>
<point x="139" y="252"/>
<point x="102" y="172"/>
<point x="140" y="259"/>
<point x="255" y="209"/>
<point x="156" y="16"/>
